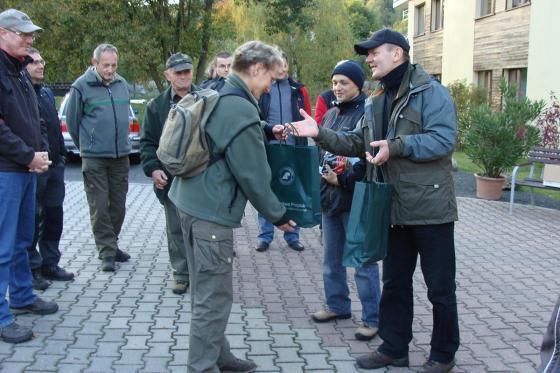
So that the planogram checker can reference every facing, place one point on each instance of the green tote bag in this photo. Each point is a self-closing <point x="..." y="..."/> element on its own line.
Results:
<point x="295" y="181"/>
<point x="367" y="234"/>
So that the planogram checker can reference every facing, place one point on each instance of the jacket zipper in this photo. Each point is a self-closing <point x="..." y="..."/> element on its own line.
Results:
<point x="116" y="123"/>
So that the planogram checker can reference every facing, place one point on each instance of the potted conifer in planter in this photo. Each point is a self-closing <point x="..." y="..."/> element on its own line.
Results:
<point x="495" y="140"/>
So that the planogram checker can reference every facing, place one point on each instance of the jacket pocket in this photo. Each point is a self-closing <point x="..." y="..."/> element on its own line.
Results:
<point x="213" y="247"/>
<point x="409" y="122"/>
<point x="424" y="196"/>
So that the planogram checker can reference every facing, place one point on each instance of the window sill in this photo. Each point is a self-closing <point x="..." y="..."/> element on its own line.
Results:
<point x="518" y="7"/>
<point x="418" y="35"/>
<point x="436" y="31"/>
<point x="484" y="16"/>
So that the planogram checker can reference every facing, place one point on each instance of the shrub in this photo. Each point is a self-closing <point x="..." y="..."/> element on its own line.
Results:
<point x="549" y="124"/>
<point x="496" y="140"/>
<point x="466" y="96"/>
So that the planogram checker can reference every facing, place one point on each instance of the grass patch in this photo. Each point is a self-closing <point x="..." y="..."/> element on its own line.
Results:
<point x="466" y="165"/>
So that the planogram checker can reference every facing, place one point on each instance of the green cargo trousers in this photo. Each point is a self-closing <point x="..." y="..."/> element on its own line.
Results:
<point x="175" y="242"/>
<point x="106" y="185"/>
<point x="210" y="256"/>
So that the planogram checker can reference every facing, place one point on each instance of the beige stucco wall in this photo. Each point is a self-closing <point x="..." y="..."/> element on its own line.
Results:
<point x="543" y="74"/>
<point x="458" y="41"/>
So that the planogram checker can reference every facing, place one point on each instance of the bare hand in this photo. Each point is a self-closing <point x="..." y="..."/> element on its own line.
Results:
<point x="288" y="227"/>
<point x="278" y="132"/>
<point x="331" y="177"/>
<point x="159" y="178"/>
<point x="303" y="128"/>
<point x="40" y="162"/>
<point x="382" y="155"/>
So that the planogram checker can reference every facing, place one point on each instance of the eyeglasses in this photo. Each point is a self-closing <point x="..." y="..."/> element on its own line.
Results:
<point x="38" y="62"/>
<point x="25" y="35"/>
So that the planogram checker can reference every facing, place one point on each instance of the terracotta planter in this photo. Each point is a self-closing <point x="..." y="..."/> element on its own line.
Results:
<point x="489" y="187"/>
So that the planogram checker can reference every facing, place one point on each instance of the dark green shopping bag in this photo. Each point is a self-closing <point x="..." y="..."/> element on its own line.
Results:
<point x="367" y="234"/>
<point x="295" y="181"/>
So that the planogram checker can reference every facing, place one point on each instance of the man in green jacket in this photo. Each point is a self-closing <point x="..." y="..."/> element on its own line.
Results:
<point x="409" y="126"/>
<point x="179" y="74"/>
<point x="97" y="118"/>
<point x="212" y="203"/>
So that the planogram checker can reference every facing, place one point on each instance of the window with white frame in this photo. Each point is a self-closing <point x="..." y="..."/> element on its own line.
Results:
<point x="484" y="7"/>
<point x="419" y="20"/>
<point x="437" y="15"/>
<point x="519" y="78"/>
<point x="515" y="3"/>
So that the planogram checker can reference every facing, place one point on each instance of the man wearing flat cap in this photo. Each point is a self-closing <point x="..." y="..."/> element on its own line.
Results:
<point x="179" y="74"/>
<point x="408" y="131"/>
<point x="22" y="155"/>
<point x="97" y="118"/>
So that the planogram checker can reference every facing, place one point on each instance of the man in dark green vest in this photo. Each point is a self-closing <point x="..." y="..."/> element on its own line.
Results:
<point x="179" y="74"/>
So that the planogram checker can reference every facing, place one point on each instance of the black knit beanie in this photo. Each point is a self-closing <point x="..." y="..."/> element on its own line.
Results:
<point x="352" y="70"/>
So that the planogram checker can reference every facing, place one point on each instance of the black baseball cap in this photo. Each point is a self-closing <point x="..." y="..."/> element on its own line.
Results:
<point x="381" y="37"/>
<point x="179" y="62"/>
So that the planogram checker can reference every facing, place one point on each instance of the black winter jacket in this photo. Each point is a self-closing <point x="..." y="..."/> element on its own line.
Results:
<point x="48" y="113"/>
<point x="20" y="126"/>
<point x="338" y="199"/>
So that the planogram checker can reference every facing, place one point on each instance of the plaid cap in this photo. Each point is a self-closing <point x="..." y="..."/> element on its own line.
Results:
<point x="179" y="62"/>
<point x="14" y="20"/>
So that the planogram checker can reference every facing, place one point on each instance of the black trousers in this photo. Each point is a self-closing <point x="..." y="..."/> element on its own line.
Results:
<point x="435" y="244"/>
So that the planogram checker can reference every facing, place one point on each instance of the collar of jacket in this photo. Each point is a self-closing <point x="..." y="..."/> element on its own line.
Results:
<point x="356" y="101"/>
<point x="236" y="81"/>
<point x="94" y="79"/>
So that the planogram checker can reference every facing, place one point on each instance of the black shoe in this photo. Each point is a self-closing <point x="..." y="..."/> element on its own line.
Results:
<point x="38" y="282"/>
<point x="262" y="247"/>
<point x="377" y="360"/>
<point x="239" y="366"/>
<point x="57" y="274"/>
<point x="15" y="333"/>
<point x="38" y="307"/>
<point x="108" y="264"/>
<point x="434" y="367"/>
<point x="297" y="246"/>
<point x="122" y="256"/>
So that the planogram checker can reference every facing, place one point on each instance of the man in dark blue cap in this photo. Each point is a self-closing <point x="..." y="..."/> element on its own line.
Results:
<point x="409" y="126"/>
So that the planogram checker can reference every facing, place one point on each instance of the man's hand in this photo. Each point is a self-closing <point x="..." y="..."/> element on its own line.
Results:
<point x="330" y="176"/>
<point x="159" y="178"/>
<point x="382" y="155"/>
<point x="278" y="132"/>
<point x="40" y="162"/>
<point x="304" y="128"/>
<point x="288" y="227"/>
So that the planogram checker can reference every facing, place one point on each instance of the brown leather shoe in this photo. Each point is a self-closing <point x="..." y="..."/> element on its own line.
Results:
<point x="377" y="360"/>
<point x="432" y="366"/>
<point x="180" y="287"/>
<point x="326" y="315"/>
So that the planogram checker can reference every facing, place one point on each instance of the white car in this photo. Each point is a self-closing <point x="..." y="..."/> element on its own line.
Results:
<point x="73" y="150"/>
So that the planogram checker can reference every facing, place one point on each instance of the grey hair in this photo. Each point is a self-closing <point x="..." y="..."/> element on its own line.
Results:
<point x="253" y="52"/>
<point x="104" y="48"/>
<point x="32" y="50"/>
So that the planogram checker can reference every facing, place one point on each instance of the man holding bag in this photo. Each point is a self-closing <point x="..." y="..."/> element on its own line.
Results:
<point x="412" y="118"/>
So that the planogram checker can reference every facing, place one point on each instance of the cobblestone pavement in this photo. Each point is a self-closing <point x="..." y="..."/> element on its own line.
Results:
<point x="507" y="273"/>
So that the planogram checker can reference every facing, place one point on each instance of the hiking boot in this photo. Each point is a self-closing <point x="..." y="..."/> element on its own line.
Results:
<point x="37" y="280"/>
<point x="56" y="273"/>
<point x="108" y="264"/>
<point x="366" y="332"/>
<point x="121" y="256"/>
<point x="377" y="360"/>
<point x="15" y="333"/>
<point x="296" y="245"/>
<point x="326" y="315"/>
<point x="38" y="307"/>
<point x="239" y="366"/>
<point x="262" y="247"/>
<point x="180" y="287"/>
<point x="434" y="367"/>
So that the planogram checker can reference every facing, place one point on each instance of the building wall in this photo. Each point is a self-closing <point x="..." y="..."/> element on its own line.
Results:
<point x="458" y="42"/>
<point x="428" y="46"/>
<point x="501" y="41"/>
<point x="543" y="74"/>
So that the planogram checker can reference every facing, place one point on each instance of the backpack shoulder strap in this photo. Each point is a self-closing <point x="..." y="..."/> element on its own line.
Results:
<point x="233" y="91"/>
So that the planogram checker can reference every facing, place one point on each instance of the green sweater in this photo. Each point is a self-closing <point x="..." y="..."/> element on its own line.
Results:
<point x="220" y="193"/>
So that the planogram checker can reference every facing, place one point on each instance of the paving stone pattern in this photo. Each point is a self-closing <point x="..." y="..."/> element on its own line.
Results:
<point x="129" y="321"/>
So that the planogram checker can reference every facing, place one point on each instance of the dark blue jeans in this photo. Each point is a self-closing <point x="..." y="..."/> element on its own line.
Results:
<point x="266" y="232"/>
<point x="436" y="247"/>
<point x="17" y="223"/>
<point x="48" y="218"/>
